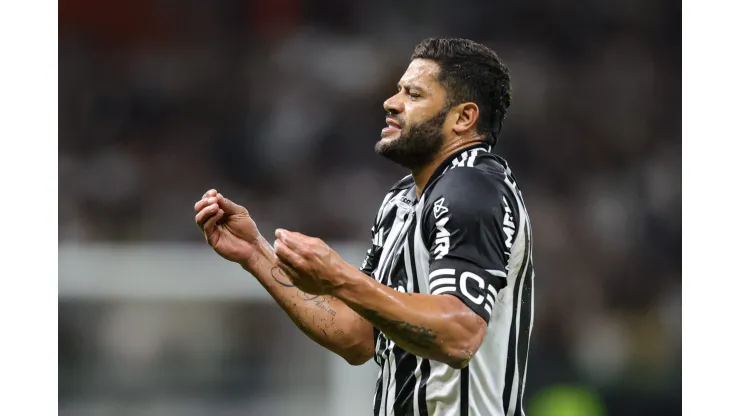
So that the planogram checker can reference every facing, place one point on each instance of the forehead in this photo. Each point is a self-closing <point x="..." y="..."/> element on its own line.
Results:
<point x="422" y="73"/>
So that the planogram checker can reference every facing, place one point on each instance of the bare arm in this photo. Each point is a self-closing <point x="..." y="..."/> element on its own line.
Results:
<point x="438" y="327"/>
<point x="325" y="319"/>
<point x="231" y="232"/>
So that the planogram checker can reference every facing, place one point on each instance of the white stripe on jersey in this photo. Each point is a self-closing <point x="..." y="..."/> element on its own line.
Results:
<point x="443" y="390"/>
<point x="443" y="281"/>
<point x="421" y="255"/>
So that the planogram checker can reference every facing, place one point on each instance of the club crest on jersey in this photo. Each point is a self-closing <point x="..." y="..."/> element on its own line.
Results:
<point x="442" y="235"/>
<point x="439" y="208"/>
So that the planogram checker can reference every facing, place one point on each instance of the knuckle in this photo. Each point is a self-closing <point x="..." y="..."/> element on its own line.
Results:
<point x="301" y="263"/>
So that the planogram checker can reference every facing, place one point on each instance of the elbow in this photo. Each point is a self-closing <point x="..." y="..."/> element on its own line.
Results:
<point x="459" y="353"/>
<point x="357" y="360"/>
<point x="459" y="357"/>
<point x="359" y="347"/>
<point x="357" y="356"/>
<point x="360" y="350"/>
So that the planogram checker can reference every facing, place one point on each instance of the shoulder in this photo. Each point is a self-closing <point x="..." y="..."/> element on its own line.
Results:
<point x="405" y="183"/>
<point x="476" y="185"/>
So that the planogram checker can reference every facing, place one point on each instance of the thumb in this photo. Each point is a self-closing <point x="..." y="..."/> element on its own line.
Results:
<point x="229" y="207"/>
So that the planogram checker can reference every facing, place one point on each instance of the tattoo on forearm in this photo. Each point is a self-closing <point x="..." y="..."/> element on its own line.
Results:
<point x="280" y="277"/>
<point x="307" y="296"/>
<point x="301" y="317"/>
<point x="319" y="301"/>
<point x="417" y="336"/>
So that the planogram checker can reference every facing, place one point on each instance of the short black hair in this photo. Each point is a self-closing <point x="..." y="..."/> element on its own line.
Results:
<point x="471" y="72"/>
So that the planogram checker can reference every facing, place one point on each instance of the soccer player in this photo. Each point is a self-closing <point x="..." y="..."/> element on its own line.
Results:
<point x="443" y="300"/>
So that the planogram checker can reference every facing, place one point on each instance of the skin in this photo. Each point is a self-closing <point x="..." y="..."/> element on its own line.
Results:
<point x="333" y="302"/>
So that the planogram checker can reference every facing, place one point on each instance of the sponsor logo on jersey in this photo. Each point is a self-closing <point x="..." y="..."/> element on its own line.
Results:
<point x="509" y="226"/>
<point x="442" y="235"/>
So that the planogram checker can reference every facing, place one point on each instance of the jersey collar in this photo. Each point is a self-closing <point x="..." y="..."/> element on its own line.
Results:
<point x="447" y="163"/>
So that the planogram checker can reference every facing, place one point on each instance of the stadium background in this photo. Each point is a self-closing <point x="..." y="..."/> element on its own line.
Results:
<point x="277" y="103"/>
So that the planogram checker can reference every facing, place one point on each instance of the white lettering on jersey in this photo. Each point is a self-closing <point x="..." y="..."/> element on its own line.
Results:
<point x="509" y="226"/>
<point x="442" y="236"/>
<point x="464" y="287"/>
<point x="442" y="239"/>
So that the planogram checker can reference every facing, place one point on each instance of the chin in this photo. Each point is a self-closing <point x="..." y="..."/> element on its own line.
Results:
<point x="382" y="145"/>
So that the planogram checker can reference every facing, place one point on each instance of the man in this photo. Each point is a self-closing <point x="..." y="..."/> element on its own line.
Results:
<point x="443" y="301"/>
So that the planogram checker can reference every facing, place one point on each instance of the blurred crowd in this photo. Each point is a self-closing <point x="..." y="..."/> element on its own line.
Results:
<point x="278" y="104"/>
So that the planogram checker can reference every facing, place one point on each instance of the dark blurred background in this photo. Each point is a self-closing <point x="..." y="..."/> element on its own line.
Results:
<point x="278" y="104"/>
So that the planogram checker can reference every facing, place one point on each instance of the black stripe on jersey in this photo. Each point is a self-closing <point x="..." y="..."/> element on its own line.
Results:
<point x="411" y="238"/>
<point x="523" y="346"/>
<point x="405" y="362"/>
<point x="386" y="362"/>
<point x="510" y="362"/>
<point x="381" y="342"/>
<point x="464" y="391"/>
<point x="405" y="382"/>
<point x="379" y="348"/>
<point x="378" y="393"/>
<point x="426" y="368"/>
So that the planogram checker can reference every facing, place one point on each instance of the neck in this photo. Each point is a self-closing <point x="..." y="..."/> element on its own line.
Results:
<point x="422" y="174"/>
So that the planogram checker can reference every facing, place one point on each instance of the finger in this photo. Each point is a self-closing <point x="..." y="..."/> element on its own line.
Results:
<point x="295" y="241"/>
<point x="212" y="192"/>
<point x="212" y="221"/>
<point x="203" y="203"/>
<point x="287" y="255"/>
<point x="229" y="207"/>
<point x="205" y="214"/>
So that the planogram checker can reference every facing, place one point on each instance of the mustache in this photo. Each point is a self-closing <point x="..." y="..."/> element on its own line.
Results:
<point x="401" y="122"/>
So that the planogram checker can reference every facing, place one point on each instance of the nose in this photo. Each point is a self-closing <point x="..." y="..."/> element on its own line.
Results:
<point x="393" y="105"/>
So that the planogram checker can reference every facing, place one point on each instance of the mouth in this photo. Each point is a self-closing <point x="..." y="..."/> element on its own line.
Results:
<point x="392" y="123"/>
<point x="393" y="127"/>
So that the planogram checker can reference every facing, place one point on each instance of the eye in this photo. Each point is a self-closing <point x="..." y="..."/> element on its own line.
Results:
<point x="414" y="95"/>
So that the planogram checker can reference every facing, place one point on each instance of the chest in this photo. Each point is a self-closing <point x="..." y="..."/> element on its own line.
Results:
<point x="402" y="251"/>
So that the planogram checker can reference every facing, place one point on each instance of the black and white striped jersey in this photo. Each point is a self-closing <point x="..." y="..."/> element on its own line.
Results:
<point x="468" y="236"/>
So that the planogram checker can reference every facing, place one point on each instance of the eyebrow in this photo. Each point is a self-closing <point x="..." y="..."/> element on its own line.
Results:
<point x="409" y="87"/>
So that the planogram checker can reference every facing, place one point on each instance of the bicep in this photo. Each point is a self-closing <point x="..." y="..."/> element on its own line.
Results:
<point x="471" y="322"/>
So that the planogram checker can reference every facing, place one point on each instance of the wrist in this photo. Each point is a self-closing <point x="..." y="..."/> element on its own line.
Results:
<point x="351" y="282"/>
<point x="259" y="253"/>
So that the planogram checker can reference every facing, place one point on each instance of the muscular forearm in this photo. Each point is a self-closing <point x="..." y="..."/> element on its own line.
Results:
<point x="325" y="319"/>
<point x="438" y="327"/>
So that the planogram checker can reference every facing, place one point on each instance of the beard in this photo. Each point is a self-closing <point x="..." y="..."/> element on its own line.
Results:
<point x="417" y="144"/>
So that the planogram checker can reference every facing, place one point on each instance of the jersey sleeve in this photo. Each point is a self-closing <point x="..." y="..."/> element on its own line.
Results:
<point x="469" y="225"/>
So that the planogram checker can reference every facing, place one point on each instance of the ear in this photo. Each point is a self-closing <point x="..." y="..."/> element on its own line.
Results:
<point x="467" y="116"/>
